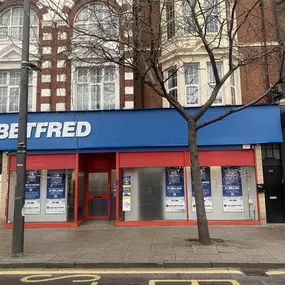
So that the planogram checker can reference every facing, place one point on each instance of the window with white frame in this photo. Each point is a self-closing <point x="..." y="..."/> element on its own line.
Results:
<point x="10" y="91"/>
<point x="170" y="18"/>
<point x="96" y="88"/>
<point x="172" y="82"/>
<point x="11" y="24"/>
<point x="192" y="92"/>
<point x="189" y="23"/>
<point x="98" y="18"/>
<point x="233" y="88"/>
<point x="212" y="82"/>
<point x="211" y="16"/>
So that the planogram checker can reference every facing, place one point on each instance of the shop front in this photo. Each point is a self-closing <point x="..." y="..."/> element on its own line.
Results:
<point x="160" y="190"/>
<point x="133" y="167"/>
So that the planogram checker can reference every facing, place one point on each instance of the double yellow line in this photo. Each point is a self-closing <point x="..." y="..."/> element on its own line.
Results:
<point x="118" y="271"/>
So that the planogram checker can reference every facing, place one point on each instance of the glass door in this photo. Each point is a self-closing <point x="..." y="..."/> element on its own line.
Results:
<point x="99" y="196"/>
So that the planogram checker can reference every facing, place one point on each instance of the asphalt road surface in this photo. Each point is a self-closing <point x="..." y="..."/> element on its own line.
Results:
<point x="143" y="277"/>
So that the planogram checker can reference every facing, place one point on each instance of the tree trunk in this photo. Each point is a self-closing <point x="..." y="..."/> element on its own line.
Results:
<point x="203" y="229"/>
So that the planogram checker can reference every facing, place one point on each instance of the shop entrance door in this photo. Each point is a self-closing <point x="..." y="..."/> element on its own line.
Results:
<point x="99" y="196"/>
<point x="274" y="196"/>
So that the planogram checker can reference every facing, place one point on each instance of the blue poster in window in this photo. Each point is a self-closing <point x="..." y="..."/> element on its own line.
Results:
<point x="126" y="180"/>
<point x="207" y="191"/>
<point x="32" y="186"/>
<point x="33" y="192"/>
<point x="55" y="184"/>
<point x="232" y="190"/>
<point x="175" y="196"/>
<point x="55" y="196"/>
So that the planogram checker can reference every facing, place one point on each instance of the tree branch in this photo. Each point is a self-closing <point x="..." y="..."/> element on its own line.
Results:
<point x="235" y="110"/>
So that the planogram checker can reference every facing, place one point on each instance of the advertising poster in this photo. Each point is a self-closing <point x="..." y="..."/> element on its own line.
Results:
<point x="55" y="199"/>
<point x="207" y="191"/>
<point x="175" y="195"/>
<point x="33" y="193"/>
<point x="126" y="193"/>
<point x="232" y="190"/>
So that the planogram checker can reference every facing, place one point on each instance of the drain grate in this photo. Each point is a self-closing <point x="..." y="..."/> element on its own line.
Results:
<point x="253" y="272"/>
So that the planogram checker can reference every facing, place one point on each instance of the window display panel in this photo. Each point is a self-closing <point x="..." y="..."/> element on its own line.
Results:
<point x="233" y="193"/>
<point x="207" y="190"/>
<point x="49" y="196"/>
<point x="80" y="194"/>
<point x="153" y="194"/>
<point x="33" y="192"/>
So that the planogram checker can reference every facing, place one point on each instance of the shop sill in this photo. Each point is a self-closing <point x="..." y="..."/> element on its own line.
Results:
<point x="185" y="223"/>
<point x="47" y="225"/>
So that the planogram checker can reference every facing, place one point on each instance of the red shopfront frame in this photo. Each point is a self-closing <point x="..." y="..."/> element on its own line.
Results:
<point x="133" y="160"/>
<point x="182" y="158"/>
<point x="42" y="162"/>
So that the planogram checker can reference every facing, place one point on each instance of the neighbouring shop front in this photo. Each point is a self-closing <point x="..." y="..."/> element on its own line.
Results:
<point x="133" y="167"/>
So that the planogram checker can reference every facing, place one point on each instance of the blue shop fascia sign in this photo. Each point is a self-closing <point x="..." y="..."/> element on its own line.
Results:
<point x="123" y="129"/>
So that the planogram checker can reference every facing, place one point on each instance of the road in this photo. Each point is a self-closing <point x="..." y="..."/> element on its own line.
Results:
<point x="142" y="277"/>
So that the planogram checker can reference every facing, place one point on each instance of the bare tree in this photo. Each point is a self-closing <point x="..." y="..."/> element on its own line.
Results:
<point x="158" y="40"/>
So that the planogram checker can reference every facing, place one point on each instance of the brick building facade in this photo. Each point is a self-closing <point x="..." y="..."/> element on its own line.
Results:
<point x="55" y="86"/>
<point x="65" y="84"/>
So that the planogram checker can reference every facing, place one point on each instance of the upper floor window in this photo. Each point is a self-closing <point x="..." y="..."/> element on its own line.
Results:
<point x="212" y="82"/>
<point x="11" y="24"/>
<point x="10" y="91"/>
<point x="96" y="88"/>
<point x="172" y="83"/>
<point x="170" y="18"/>
<point x="98" y="18"/>
<point x="189" y="23"/>
<point x="211" y="16"/>
<point x="233" y="88"/>
<point x="191" y="73"/>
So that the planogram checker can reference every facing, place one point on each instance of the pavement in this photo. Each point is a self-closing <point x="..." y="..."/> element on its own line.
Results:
<point x="143" y="277"/>
<point x="100" y="245"/>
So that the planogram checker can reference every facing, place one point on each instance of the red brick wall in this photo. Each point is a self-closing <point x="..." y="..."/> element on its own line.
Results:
<point x="257" y="29"/>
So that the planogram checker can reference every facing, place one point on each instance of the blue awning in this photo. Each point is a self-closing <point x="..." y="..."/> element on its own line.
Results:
<point x="159" y="128"/>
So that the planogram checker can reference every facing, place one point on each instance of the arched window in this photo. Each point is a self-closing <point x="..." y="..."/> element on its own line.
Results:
<point x="98" y="19"/>
<point x="11" y="24"/>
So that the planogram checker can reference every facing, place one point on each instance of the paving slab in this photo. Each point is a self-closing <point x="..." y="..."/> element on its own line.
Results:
<point x="107" y="246"/>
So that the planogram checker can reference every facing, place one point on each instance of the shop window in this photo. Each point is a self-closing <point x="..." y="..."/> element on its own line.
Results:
<point x="230" y="193"/>
<point x="80" y="194"/>
<point x="153" y="194"/>
<point x="49" y="196"/>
